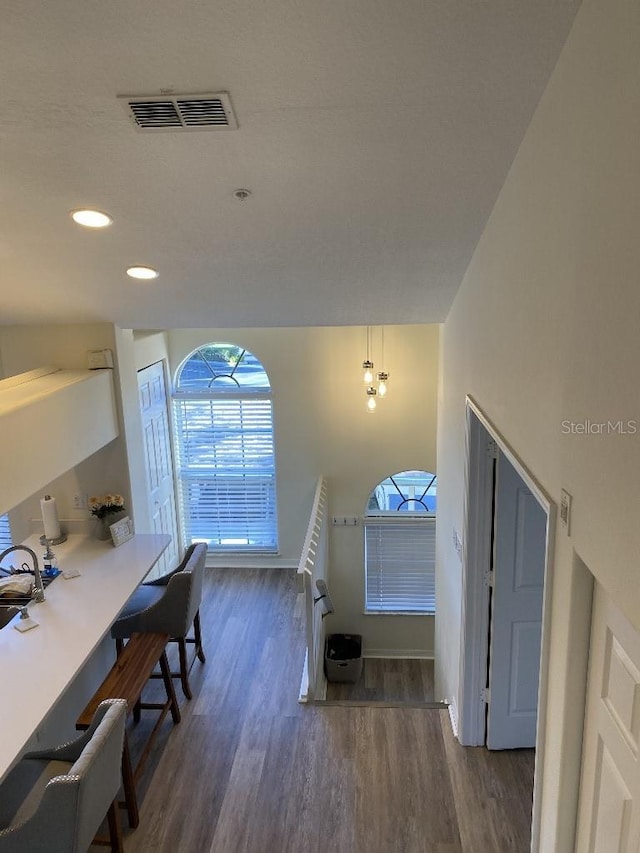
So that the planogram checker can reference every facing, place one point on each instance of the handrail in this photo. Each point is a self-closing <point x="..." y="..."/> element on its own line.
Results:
<point x="316" y="519"/>
<point x="314" y="565"/>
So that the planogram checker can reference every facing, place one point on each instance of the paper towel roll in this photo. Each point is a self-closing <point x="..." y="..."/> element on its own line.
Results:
<point x="49" y="512"/>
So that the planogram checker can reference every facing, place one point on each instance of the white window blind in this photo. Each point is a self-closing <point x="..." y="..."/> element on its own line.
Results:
<point x="400" y="564"/>
<point x="5" y="532"/>
<point x="227" y="470"/>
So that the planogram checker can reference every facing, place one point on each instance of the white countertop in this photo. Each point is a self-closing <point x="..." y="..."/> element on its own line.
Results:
<point x="38" y="666"/>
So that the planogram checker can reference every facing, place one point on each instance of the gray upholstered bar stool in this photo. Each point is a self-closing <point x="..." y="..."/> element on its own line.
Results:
<point x="169" y="605"/>
<point x="53" y="801"/>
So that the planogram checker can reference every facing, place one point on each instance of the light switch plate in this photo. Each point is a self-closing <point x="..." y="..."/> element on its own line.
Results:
<point x="565" y="511"/>
<point x="457" y="544"/>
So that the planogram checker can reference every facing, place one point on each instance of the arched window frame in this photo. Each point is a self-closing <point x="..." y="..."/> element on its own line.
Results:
<point x="399" y="546"/>
<point x="225" y="451"/>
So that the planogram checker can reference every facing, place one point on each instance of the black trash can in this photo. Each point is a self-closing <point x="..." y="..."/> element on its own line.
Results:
<point x="343" y="657"/>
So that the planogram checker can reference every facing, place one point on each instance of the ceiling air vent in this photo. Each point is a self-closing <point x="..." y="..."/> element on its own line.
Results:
<point x="209" y="111"/>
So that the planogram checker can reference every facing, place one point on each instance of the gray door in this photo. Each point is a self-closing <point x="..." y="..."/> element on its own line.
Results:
<point x="516" y="611"/>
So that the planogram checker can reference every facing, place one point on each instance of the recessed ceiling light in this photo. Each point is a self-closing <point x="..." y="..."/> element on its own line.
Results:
<point x="142" y="272"/>
<point x="91" y="218"/>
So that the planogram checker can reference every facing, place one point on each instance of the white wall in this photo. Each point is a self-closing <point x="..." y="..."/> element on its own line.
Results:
<point x="28" y="347"/>
<point x="543" y="330"/>
<point x="25" y="348"/>
<point x="322" y="428"/>
<point x="150" y="347"/>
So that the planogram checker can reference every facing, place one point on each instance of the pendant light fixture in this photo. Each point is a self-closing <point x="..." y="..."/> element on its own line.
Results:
<point x="382" y="375"/>
<point x="371" y="399"/>
<point x="374" y="392"/>
<point x="367" y="364"/>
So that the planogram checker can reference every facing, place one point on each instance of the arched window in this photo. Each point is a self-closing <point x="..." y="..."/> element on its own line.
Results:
<point x="226" y="467"/>
<point x="399" y="544"/>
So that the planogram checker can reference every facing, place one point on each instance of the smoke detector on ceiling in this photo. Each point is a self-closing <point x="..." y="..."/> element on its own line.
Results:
<point x="206" y="111"/>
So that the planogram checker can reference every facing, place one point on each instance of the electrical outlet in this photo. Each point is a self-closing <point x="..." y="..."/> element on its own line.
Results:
<point x="79" y="501"/>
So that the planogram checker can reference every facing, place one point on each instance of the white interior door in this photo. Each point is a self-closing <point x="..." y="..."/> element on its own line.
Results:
<point x="609" y="810"/>
<point x="159" y="463"/>
<point x="516" y="613"/>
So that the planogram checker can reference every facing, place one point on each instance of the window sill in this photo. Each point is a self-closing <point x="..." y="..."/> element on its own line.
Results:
<point x="398" y="612"/>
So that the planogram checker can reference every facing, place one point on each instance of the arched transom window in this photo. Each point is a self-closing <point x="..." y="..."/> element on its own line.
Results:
<point x="399" y="544"/>
<point x="226" y="467"/>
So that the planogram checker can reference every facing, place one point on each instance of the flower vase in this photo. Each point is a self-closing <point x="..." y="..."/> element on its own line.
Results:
<point x="101" y="530"/>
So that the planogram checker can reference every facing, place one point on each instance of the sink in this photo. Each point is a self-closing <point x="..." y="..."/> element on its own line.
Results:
<point x="21" y="600"/>
<point x="10" y="606"/>
<point x="7" y="612"/>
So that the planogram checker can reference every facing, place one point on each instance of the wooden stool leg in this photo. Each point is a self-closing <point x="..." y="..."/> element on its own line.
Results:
<point x="129" y="785"/>
<point x="168" y="683"/>
<point x="198" y="636"/>
<point x="184" y="668"/>
<point x="115" y="830"/>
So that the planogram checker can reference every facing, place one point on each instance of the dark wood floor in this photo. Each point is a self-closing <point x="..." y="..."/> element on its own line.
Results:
<point x="388" y="680"/>
<point x="250" y="769"/>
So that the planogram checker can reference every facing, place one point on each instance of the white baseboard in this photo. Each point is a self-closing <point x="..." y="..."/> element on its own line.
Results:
<point x="453" y="717"/>
<point x="303" y="696"/>
<point x="249" y="563"/>
<point x="321" y="687"/>
<point x="321" y="684"/>
<point x="402" y="654"/>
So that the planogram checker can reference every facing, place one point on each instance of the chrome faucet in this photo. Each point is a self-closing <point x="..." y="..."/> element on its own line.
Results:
<point x="38" y="586"/>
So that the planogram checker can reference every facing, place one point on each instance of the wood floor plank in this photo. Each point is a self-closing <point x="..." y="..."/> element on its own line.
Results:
<point x="426" y="791"/>
<point x="233" y="830"/>
<point x="496" y="785"/>
<point x="323" y="817"/>
<point x="250" y="770"/>
<point x="388" y="680"/>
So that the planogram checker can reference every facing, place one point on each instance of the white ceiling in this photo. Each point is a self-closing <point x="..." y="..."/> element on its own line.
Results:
<point x="374" y="136"/>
